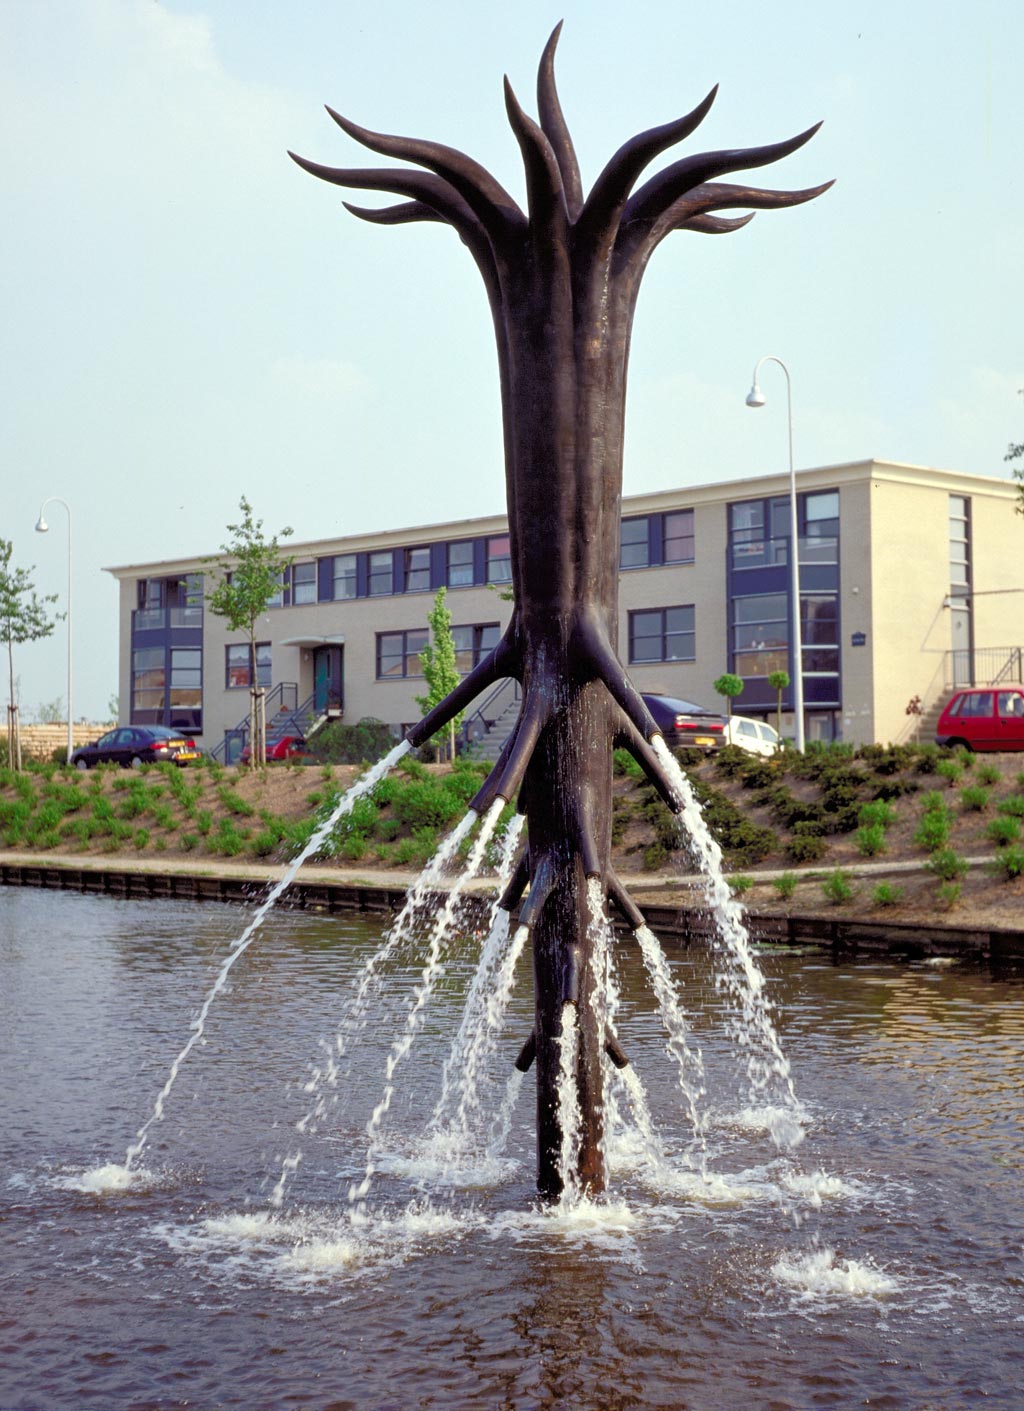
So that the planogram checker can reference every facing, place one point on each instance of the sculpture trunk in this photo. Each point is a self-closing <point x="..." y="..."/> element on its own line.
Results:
<point x="565" y="381"/>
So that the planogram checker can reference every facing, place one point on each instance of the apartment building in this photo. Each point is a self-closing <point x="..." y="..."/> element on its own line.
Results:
<point x="911" y="582"/>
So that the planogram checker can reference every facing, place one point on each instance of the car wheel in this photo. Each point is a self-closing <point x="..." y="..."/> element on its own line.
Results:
<point x="81" y="764"/>
<point x="137" y="761"/>
<point x="961" y="744"/>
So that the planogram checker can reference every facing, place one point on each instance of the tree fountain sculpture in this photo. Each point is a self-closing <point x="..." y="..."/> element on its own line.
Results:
<point x="562" y="280"/>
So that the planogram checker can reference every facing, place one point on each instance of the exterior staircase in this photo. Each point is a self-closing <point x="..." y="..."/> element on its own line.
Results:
<point x="485" y="731"/>
<point x="285" y="716"/>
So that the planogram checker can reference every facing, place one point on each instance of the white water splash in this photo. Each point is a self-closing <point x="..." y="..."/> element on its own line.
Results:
<point x="439" y="939"/>
<point x="821" y="1275"/>
<point x="766" y="1063"/>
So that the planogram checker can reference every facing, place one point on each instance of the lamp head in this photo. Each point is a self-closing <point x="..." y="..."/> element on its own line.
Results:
<point x="755" y="397"/>
<point x="41" y="525"/>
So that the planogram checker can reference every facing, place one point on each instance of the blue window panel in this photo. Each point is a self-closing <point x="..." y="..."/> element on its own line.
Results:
<point x="655" y="539"/>
<point x="324" y="580"/>
<point x="479" y="561"/>
<point x="438" y="566"/>
<point x="362" y="575"/>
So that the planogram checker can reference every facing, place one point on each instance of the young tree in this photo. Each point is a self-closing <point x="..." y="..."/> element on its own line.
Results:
<point x="729" y="685"/>
<point x="1014" y="452"/>
<point x="24" y="617"/>
<point x="779" y="682"/>
<point x="439" y="669"/>
<point x="246" y="579"/>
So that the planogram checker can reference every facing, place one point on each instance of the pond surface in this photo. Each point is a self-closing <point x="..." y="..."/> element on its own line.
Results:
<point x="879" y="1263"/>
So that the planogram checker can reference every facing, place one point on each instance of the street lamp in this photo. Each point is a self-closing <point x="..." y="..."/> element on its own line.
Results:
<point x="756" y="398"/>
<point x="41" y="528"/>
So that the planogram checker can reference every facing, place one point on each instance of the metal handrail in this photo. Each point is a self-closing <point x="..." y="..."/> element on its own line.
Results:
<point x="480" y="721"/>
<point x="274" y="699"/>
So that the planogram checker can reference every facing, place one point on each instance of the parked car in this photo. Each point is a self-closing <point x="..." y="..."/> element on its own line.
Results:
<point x="287" y="747"/>
<point x="754" y="736"/>
<point x="686" y="724"/>
<point x="984" y="718"/>
<point x="135" y="745"/>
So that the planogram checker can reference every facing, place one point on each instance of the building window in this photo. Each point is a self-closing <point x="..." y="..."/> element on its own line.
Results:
<point x="417" y="570"/>
<point x="678" y="537"/>
<point x="460" y="564"/>
<point x="150" y="611"/>
<point x="186" y="710"/>
<point x="398" y="653"/>
<point x="499" y="560"/>
<point x="662" y="634"/>
<point x="959" y="546"/>
<point x="473" y="643"/>
<point x="343" y="576"/>
<point x="148" y="685"/>
<point x="303" y="583"/>
<point x="760" y="634"/>
<point x="381" y="574"/>
<point x="819" y="633"/>
<point x="276" y="599"/>
<point x="238" y="672"/>
<point x="820" y="540"/>
<point x="634" y="543"/>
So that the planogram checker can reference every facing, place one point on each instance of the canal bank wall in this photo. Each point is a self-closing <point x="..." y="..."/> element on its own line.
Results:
<point x="681" y="917"/>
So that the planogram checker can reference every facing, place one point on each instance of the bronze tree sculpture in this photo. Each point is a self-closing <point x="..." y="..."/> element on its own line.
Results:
<point x="562" y="279"/>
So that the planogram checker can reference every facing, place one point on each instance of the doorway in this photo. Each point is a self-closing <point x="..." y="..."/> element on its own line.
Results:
<point x="328" y="680"/>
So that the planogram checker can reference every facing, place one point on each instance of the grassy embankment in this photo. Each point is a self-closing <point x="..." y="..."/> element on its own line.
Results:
<point x="816" y="817"/>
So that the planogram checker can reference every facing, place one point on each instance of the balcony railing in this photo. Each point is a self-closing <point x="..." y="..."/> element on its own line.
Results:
<point x="166" y="619"/>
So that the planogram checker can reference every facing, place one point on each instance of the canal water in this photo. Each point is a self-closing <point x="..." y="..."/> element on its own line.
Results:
<point x="878" y="1263"/>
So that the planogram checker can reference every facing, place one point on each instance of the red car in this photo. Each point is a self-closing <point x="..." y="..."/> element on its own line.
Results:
<point x="287" y="747"/>
<point x="984" y="718"/>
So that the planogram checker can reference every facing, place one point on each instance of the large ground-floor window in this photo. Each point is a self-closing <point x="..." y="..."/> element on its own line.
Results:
<point x="398" y="653"/>
<point x="239" y="666"/>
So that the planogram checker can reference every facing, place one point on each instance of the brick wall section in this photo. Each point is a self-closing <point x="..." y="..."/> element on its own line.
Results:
<point x="40" y="741"/>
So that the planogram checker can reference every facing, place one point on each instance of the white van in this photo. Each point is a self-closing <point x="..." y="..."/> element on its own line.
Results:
<point x="754" y="736"/>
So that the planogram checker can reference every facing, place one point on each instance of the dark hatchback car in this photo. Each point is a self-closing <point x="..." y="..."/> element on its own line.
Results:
<point x="684" y="724"/>
<point x="135" y="745"/>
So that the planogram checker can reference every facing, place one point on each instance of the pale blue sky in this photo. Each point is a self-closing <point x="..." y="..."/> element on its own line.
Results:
<point x="188" y="317"/>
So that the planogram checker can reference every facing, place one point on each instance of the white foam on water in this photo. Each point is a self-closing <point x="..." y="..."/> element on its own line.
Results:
<point x="815" y="1187"/>
<point x="820" y="1274"/>
<point x="104" y="1180"/>
<point x="435" y="1163"/>
<point x="785" y="1125"/>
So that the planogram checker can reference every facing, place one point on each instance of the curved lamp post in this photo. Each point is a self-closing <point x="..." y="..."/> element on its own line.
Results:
<point x="756" y="398"/>
<point x="41" y="528"/>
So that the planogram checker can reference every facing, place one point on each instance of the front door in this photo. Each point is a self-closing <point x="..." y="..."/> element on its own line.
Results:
<point x="328" y="692"/>
<point x="960" y="631"/>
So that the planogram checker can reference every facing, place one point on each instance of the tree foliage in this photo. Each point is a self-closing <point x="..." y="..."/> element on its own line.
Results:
<point x="439" y="668"/>
<point x="246" y="579"/>
<point x="1015" y="452"/>
<point x="728" y="685"/>
<point x="24" y="617"/>
<point x="779" y="682"/>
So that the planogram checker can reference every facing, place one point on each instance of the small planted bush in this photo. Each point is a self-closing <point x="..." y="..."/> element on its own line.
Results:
<point x="947" y="864"/>
<point x="879" y="813"/>
<point x="740" y="884"/>
<point x="987" y="774"/>
<point x="871" y="840"/>
<point x="951" y="770"/>
<point x="837" y="887"/>
<point x="974" y="799"/>
<point x="1003" y="831"/>
<point x="1009" y="864"/>
<point x="886" y="894"/>
<point x="786" y="885"/>
<point x="933" y="831"/>
<point x="1013" y="807"/>
<point x="804" y="849"/>
<point x="949" y="894"/>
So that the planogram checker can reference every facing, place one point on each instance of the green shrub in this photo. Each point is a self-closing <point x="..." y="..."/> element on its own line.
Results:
<point x="263" y="843"/>
<point x="928" y="757"/>
<point x="623" y="763"/>
<point x="963" y="757"/>
<point x="1003" y="830"/>
<point x="802" y="849"/>
<point x="949" y="894"/>
<point x="785" y="885"/>
<point x="947" y="864"/>
<point x="876" y="814"/>
<point x="417" y="850"/>
<point x="932" y="801"/>
<point x="426" y="803"/>
<point x="204" y="822"/>
<point x="365" y="742"/>
<point x="871" y="840"/>
<point x="950" y="770"/>
<point x="1013" y="807"/>
<point x="974" y="799"/>
<point x="988" y="773"/>
<point x="188" y="841"/>
<point x="655" y="857"/>
<point x="234" y="803"/>
<point x="933" y="831"/>
<point x="886" y="894"/>
<point x="740" y="884"/>
<point x="837" y="887"/>
<point x="1009" y="864"/>
<point x="140" y="838"/>
<point x="387" y="829"/>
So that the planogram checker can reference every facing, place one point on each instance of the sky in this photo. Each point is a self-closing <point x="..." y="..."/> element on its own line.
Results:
<point x="187" y="317"/>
